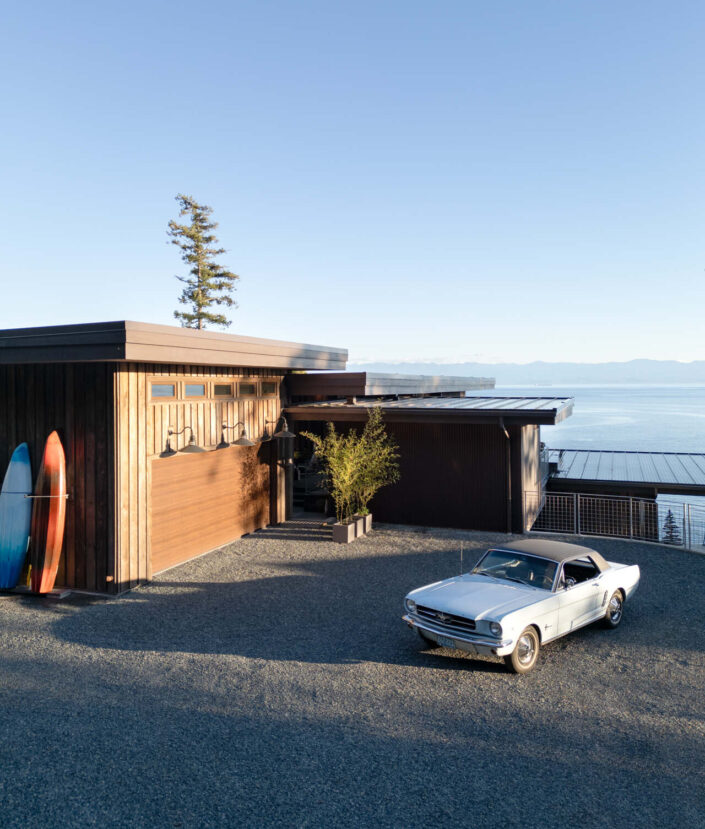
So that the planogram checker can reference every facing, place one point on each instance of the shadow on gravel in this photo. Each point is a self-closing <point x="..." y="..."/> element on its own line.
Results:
<point x="348" y="610"/>
<point x="218" y="758"/>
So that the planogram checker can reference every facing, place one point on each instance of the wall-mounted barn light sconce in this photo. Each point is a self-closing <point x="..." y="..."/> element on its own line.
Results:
<point x="243" y="440"/>
<point x="285" y="441"/>
<point x="191" y="448"/>
<point x="282" y="433"/>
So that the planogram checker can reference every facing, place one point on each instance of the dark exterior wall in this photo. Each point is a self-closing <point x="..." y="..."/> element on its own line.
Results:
<point x="76" y="400"/>
<point x="452" y="475"/>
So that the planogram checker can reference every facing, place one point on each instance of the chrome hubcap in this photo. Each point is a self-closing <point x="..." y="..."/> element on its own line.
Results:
<point x="525" y="649"/>
<point x="615" y="609"/>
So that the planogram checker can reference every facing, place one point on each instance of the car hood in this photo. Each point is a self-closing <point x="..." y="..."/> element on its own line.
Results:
<point x="477" y="597"/>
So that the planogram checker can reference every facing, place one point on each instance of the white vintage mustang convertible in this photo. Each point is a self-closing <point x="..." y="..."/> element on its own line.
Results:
<point x="520" y="596"/>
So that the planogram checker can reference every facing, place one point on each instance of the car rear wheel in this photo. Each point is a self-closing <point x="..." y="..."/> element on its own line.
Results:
<point x="615" y="610"/>
<point x="427" y="642"/>
<point x="526" y="651"/>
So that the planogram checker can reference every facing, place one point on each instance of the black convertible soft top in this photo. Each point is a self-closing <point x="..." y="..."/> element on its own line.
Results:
<point x="555" y="550"/>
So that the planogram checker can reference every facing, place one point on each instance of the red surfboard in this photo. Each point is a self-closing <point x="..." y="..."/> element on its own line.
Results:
<point x="48" y="517"/>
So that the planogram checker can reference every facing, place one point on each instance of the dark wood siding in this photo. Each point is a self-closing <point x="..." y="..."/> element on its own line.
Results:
<point x="76" y="400"/>
<point x="202" y="501"/>
<point x="452" y="475"/>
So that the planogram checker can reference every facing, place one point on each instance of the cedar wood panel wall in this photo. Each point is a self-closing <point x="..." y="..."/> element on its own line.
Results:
<point x="110" y="430"/>
<point x="76" y="399"/>
<point x="141" y="428"/>
<point x="202" y="501"/>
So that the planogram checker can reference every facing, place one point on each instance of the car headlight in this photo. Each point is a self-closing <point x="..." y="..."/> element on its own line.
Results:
<point x="495" y="628"/>
<point x="411" y="605"/>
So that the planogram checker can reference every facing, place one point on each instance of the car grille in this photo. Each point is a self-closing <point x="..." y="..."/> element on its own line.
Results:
<point x="445" y="620"/>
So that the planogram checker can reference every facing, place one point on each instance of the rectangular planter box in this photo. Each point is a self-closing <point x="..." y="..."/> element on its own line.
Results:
<point x="359" y="525"/>
<point x="367" y="522"/>
<point x="343" y="533"/>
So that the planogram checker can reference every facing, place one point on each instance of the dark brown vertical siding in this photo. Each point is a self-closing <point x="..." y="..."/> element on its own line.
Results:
<point x="452" y="475"/>
<point x="75" y="400"/>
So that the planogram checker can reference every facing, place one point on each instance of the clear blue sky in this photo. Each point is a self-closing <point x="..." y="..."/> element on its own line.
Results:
<point x="412" y="180"/>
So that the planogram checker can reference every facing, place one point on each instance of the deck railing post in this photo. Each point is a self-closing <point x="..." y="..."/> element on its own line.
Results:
<point x="685" y="527"/>
<point x="631" y="518"/>
<point x="576" y="519"/>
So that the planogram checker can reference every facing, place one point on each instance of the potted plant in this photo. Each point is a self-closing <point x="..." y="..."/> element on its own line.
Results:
<point x="356" y="467"/>
<point x="337" y="454"/>
<point x="379" y="465"/>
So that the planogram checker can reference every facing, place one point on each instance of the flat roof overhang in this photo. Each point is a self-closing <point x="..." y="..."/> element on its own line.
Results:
<point x="370" y="384"/>
<point x="126" y="341"/>
<point x="516" y="411"/>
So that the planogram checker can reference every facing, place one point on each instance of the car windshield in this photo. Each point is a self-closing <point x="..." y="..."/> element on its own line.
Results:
<point x="517" y="567"/>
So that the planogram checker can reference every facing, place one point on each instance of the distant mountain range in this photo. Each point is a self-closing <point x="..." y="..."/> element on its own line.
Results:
<point x="552" y="374"/>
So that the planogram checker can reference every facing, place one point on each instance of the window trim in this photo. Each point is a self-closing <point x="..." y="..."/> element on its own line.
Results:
<point x="162" y="397"/>
<point x="242" y="383"/>
<point x="187" y="397"/>
<point x="231" y="394"/>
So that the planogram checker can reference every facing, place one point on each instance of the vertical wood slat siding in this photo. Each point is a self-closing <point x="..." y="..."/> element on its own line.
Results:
<point x="109" y="428"/>
<point x="140" y="435"/>
<point x="451" y="476"/>
<point x="76" y="400"/>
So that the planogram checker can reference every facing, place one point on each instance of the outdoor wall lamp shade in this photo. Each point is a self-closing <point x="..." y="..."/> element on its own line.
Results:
<point x="285" y="441"/>
<point x="243" y="440"/>
<point x="191" y="448"/>
<point x="284" y="431"/>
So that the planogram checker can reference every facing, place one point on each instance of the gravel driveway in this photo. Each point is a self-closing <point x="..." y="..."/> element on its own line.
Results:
<point x="272" y="683"/>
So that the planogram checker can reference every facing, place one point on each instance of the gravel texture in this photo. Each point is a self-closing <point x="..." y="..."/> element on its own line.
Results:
<point x="272" y="683"/>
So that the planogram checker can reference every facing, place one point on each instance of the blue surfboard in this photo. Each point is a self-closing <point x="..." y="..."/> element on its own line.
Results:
<point x="15" y="516"/>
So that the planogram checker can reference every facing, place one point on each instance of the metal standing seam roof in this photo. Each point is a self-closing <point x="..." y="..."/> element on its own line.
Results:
<point x="681" y="469"/>
<point x="547" y="409"/>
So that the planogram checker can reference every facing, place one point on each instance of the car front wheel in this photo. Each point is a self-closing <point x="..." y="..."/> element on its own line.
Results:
<point x="526" y="651"/>
<point x="615" y="610"/>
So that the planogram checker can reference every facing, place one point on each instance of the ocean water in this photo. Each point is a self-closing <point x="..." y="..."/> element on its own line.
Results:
<point x="644" y="418"/>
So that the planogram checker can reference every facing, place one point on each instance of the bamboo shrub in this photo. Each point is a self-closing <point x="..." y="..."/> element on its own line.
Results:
<point x="356" y="466"/>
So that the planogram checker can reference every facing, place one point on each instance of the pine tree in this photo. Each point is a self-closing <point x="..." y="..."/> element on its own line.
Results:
<point x="671" y="533"/>
<point x="209" y="283"/>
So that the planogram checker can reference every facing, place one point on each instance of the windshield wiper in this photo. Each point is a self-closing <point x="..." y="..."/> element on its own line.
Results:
<point x="513" y="578"/>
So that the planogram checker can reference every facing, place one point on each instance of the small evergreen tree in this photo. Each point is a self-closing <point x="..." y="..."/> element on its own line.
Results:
<point x="209" y="283"/>
<point x="671" y="533"/>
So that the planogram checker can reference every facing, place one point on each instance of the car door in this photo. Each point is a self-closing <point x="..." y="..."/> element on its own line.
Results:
<point x="580" y="603"/>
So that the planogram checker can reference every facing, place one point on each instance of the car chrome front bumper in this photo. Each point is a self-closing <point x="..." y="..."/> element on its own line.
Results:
<point x="485" y="645"/>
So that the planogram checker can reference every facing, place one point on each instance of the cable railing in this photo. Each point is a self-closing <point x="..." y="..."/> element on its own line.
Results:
<point x="677" y="523"/>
